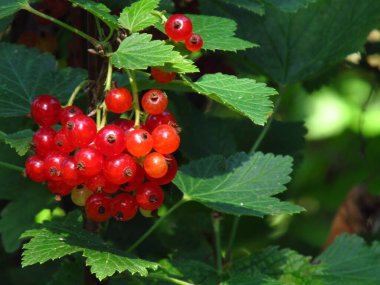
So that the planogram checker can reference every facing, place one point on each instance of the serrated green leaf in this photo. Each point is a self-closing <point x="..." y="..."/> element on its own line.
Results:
<point x="99" y="10"/>
<point x="139" y="15"/>
<point x="20" y="141"/>
<point x="139" y="51"/>
<point x="26" y="73"/>
<point x="254" y="6"/>
<point x="218" y="33"/>
<point x="241" y="185"/>
<point x="246" y="96"/>
<point x="350" y="261"/>
<point x="58" y="239"/>
<point x="9" y="7"/>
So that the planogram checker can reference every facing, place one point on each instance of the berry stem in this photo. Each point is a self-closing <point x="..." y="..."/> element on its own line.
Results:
<point x="135" y="93"/>
<point x="93" y="41"/>
<point x="11" y="166"/>
<point x="108" y="87"/>
<point x="218" y="249"/>
<point x="167" y="278"/>
<point x="161" y="15"/>
<point x="156" y="224"/>
<point x="76" y="91"/>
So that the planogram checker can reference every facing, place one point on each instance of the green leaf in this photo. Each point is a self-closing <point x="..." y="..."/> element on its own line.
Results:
<point x="26" y="73"/>
<point x="139" y="15"/>
<point x="20" y="141"/>
<point x="243" y="95"/>
<point x="4" y="23"/>
<point x="241" y="185"/>
<point x="68" y="273"/>
<point x="254" y="6"/>
<point x="350" y="261"/>
<point x="9" y="7"/>
<point x="58" y="239"/>
<point x="99" y="10"/>
<point x="218" y="33"/>
<point x="290" y="6"/>
<point x="139" y="51"/>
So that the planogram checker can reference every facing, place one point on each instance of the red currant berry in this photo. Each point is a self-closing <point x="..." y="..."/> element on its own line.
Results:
<point x="69" y="172"/>
<point x="89" y="161"/>
<point x="34" y="167"/>
<point x="45" y="110"/>
<point x="139" y="142"/>
<point x="43" y="141"/>
<point x="80" y="130"/>
<point x="126" y="125"/>
<point x="169" y="176"/>
<point x="62" y="144"/>
<point x="98" y="207"/>
<point x="194" y="42"/>
<point x="154" y="101"/>
<point x="153" y="121"/>
<point x="53" y="162"/>
<point x="155" y="165"/>
<point x="178" y="27"/>
<point x="69" y="112"/>
<point x="99" y="183"/>
<point x="136" y="181"/>
<point x="149" y="196"/>
<point x="79" y="195"/>
<point x="118" y="100"/>
<point x="161" y="76"/>
<point x="123" y="207"/>
<point x="110" y="140"/>
<point x="59" y="188"/>
<point x="165" y="139"/>
<point x="120" y="169"/>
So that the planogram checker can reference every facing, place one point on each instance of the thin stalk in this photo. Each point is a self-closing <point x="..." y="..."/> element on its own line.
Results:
<point x="169" y="279"/>
<point x="218" y="248"/>
<point x="93" y="41"/>
<point x="156" y="224"/>
<point x="135" y="93"/>
<point x="108" y="87"/>
<point x="161" y="16"/>
<point x="76" y="91"/>
<point x="11" y="166"/>
<point x="231" y="240"/>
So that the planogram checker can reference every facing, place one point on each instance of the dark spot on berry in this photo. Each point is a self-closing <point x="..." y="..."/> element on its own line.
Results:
<point x="144" y="136"/>
<point x="70" y="125"/>
<point x="153" y="199"/>
<point x="59" y="143"/>
<point x="177" y="25"/>
<point x="53" y="171"/>
<point x="154" y="97"/>
<point x="101" y="210"/>
<point x="72" y="111"/>
<point x="80" y="166"/>
<point x="193" y="40"/>
<point x="128" y="172"/>
<point x="99" y="189"/>
<point x="81" y="186"/>
<point x="119" y="216"/>
<point x="111" y="138"/>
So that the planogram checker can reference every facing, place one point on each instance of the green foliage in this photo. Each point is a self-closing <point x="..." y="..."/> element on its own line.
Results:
<point x="9" y="7"/>
<point x="99" y="10"/>
<point x="139" y="16"/>
<point x="20" y="141"/>
<point x="58" y="239"/>
<point x="240" y="185"/>
<point x="26" y="73"/>
<point x="139" y="51"/>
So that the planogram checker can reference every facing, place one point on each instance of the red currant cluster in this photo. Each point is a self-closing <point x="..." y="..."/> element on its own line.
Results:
<point x="121" y="159"/>
<point x="179" y="28"/>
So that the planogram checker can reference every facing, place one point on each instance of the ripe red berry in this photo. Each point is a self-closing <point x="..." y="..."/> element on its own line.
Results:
<point x="136" y="181"/>
<point x="169" y="176"/>
<point x="100" y="183"/>
<point x="45" y="110"/>
<point x="123" y="207"/>
<point x="59" y="188"/>
<point x="178" y="27"/>
<point x="194" y="42"/>
<point x="89" y="161"/>
<point x="165" y="139"/>
<point x="98" y="207"/>
<point x="155" y="165"/>
<point x="154" y="101"/>
<point x="80" y="130"/>
<point x="34" y="167"/>
<point x="126" y="125"/>
<point x="161" y="76"/>
<point x="120" y="169"/>
<point x="139" y="142"/>
<point x="149" y="196"/>
<point x="69" y="112"/>
<point x="43" y="141"/>
<point x="153" y="121"/>
<point x="62" y="144"/>
<point x="110" y="140"/>
<point x="69" y="172"/>
<point x="53" y="162"/>
<point x="118" y="100"/>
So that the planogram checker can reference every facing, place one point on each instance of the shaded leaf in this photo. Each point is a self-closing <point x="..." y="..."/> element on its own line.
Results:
<point x="9" y="7"/>
<point x="20" y="141"/>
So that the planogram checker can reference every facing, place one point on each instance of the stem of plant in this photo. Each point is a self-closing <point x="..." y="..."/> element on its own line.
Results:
<point x="135" y="93"/>
<point x="218" y="248"/>
<point x="93" y="41"/>
<point x="76" y="91"/>
<point x="156" y="224"/>
<point x="256" y="145"/>
<point x="11" y="166"/>
<point x="108" y="86"/>
<point x="169" y="279"/>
